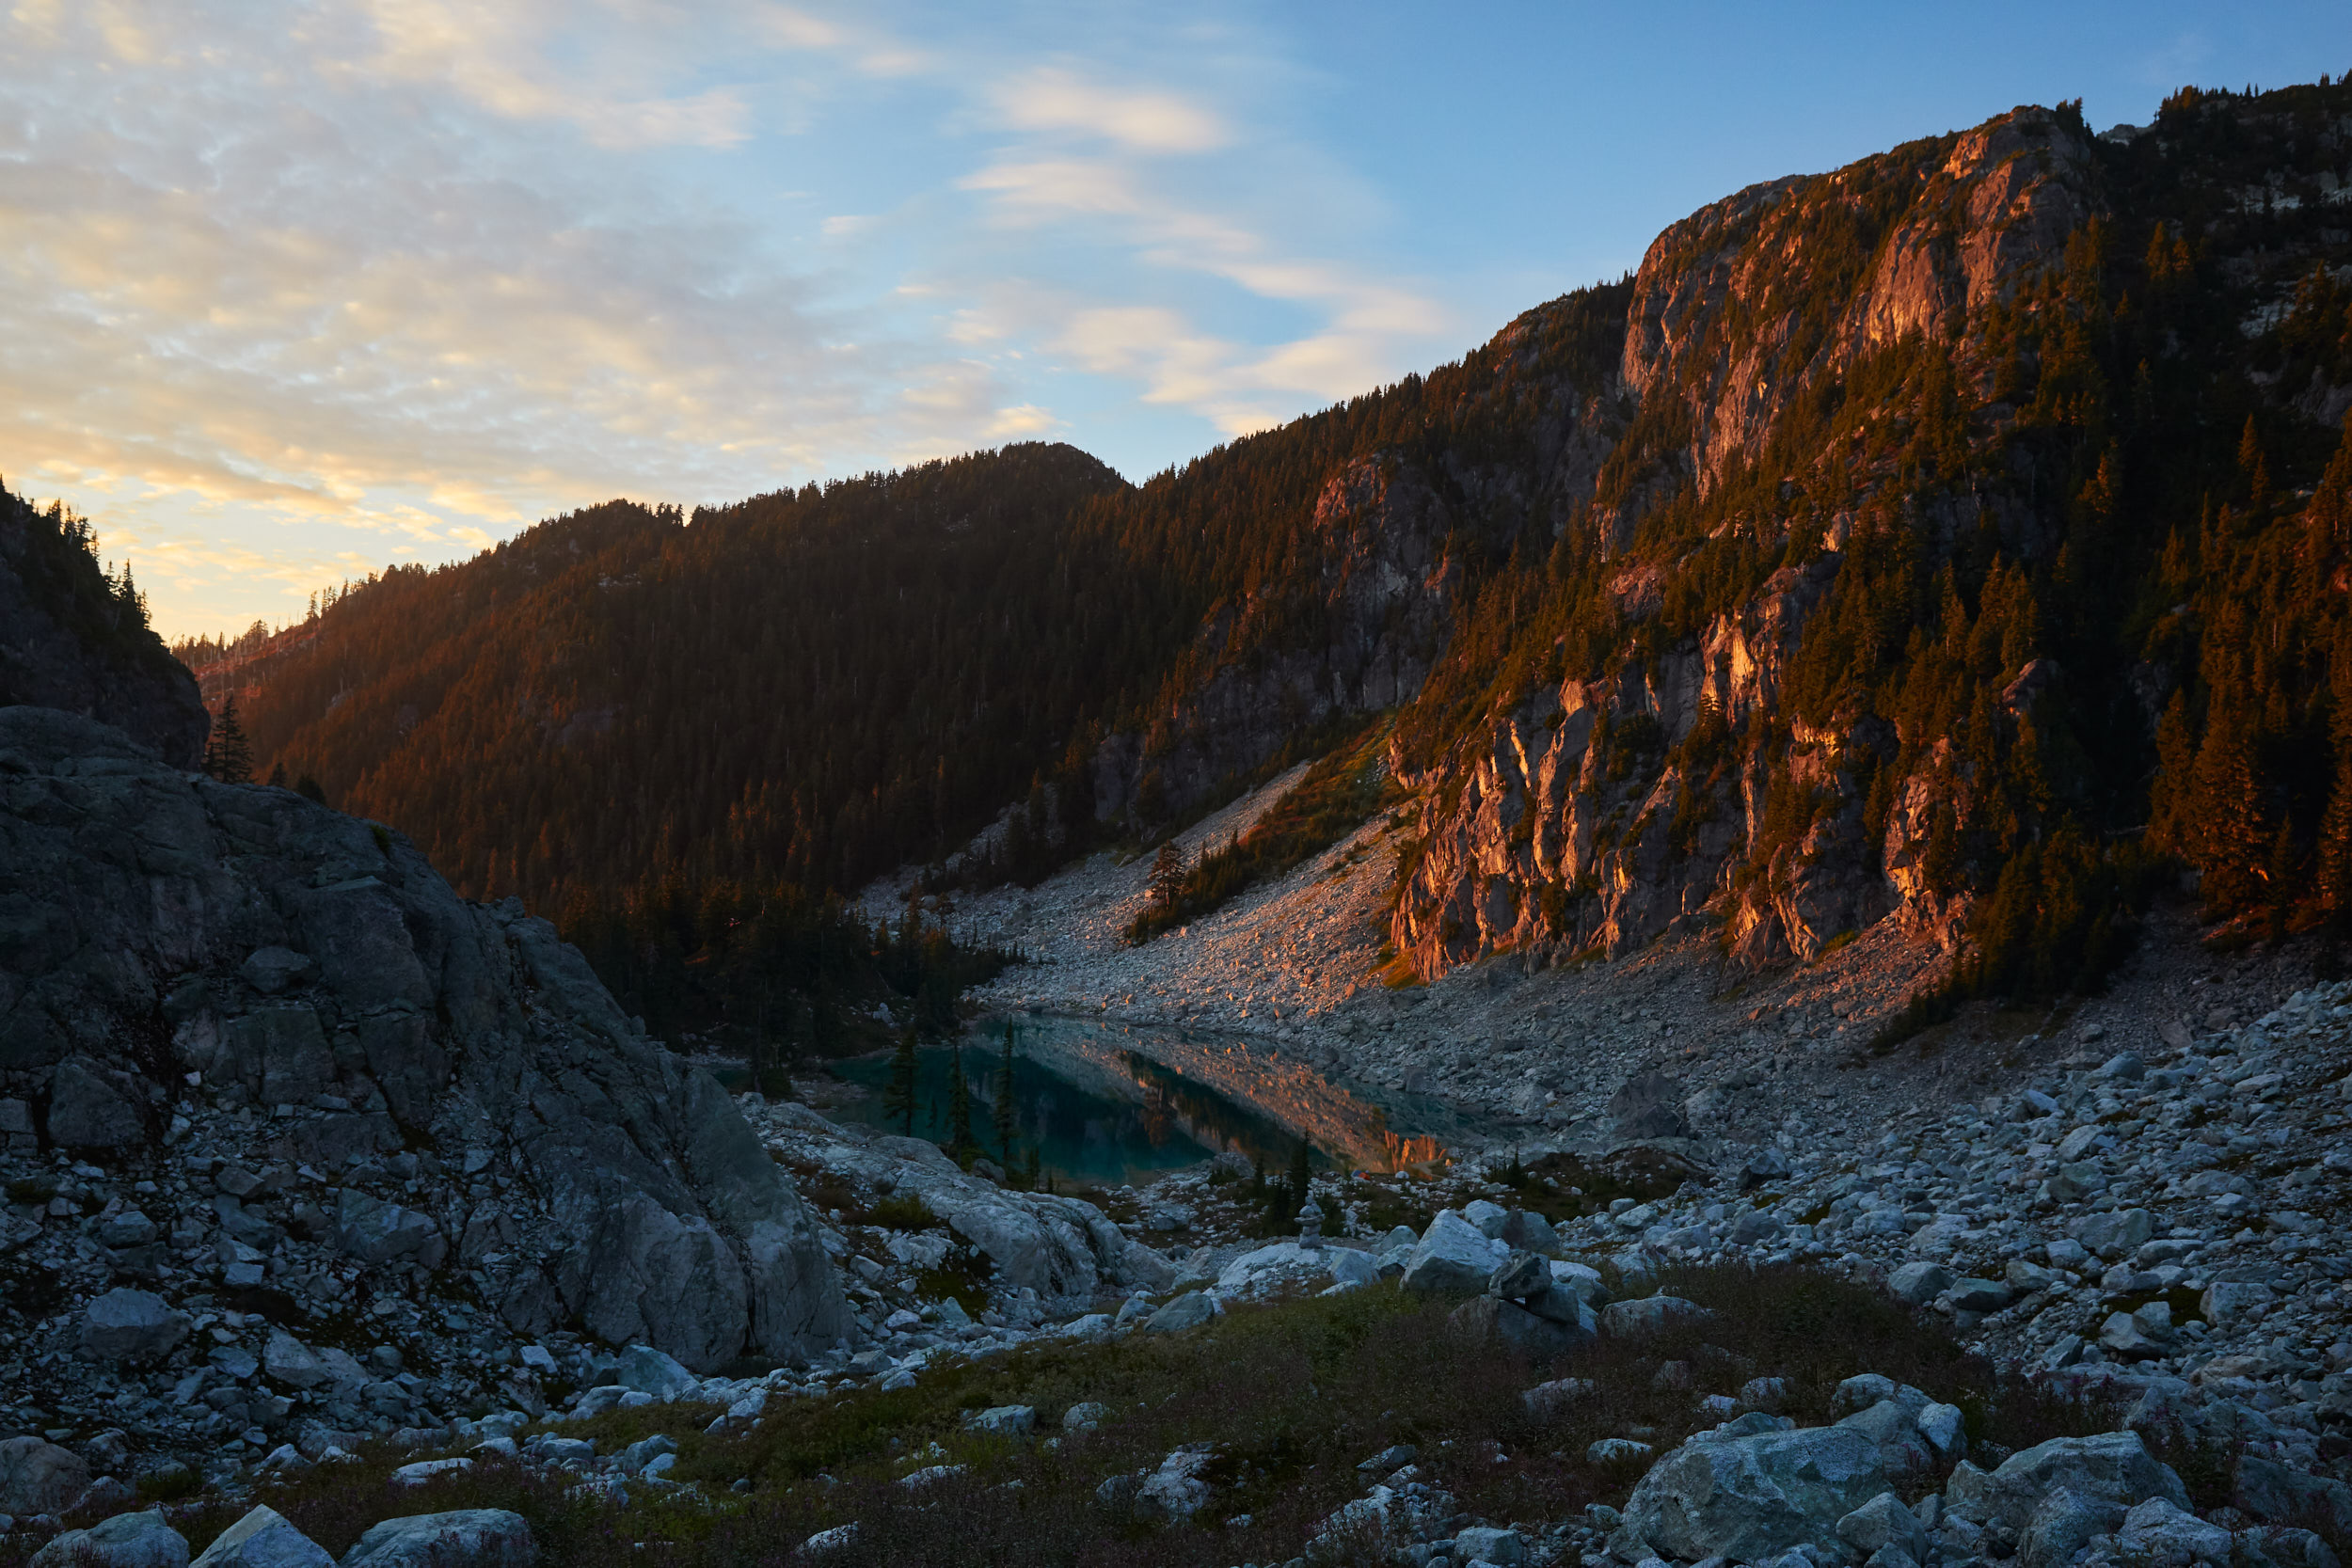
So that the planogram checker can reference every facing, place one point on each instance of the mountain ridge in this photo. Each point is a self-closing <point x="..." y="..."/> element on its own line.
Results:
<point x="1815" y="573"/>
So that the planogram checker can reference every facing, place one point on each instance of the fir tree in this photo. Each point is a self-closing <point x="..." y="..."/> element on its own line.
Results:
<point x="898" y="1097"/>
<point x="228" y="755"/>
<point x="1006" y="1127"/>
<point x="1167" y="874"/>
<point x="958" y="1109"/>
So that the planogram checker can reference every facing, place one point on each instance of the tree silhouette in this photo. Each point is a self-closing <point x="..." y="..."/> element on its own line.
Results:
<point x="898" y="1094"/>
<point x="1007" y="1126"/>
<point x="228" y="755"/>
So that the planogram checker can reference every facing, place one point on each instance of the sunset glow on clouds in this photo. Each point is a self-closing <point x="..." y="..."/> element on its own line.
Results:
<point x="292" y="289"/>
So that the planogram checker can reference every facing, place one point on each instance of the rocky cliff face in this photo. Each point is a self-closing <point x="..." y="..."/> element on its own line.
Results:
<point x="1849" y="385"/>
<point x="68" y="642"/>
<point x="349" y="1088"/>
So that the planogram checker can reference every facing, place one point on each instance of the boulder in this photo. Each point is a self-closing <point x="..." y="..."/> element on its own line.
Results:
<point x="263" y="1539"/>
<point x="1189" y="1310"/>
<point x="374" y="1231"/>
<point x="1548" y="1402"/>
<point x="1489" y="1317"/>
<point x="289" y="1361"/>
<point x="1452" y="1255"/>
<point x="129" y="1325"/>
<point x="1881" y="1522"/>
<point x="1919" y="1283"/>
<point x="1505" y="1549"/>
<point x="87" y="1111"/>
<point x="1176" y="1491"/>
<point x="139" y="1539"/>
<point x="2116" y="1234"/>
<point x="1749" y="1494"/>
<point x="1003" y="1420"/>
<point x="2061" y="1524"/>
<point x="1519" y="1276"/>
<point x="40" y="1478"/>
<point x="2113" y="1466"/>
<point x="2268" y="1491"/>
<point x="647" y="1371"/>
<point x="463" y="1538"/>
<point x="271" y="970"/>
<point x="1648" y="1105"/>
<point x="1892" y="1426"/>
<point x="1650" y="1315"/>
<point x="2163" y="1536"/>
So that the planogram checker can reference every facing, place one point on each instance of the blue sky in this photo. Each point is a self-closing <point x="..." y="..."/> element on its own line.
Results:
<point x="296" y="287"/>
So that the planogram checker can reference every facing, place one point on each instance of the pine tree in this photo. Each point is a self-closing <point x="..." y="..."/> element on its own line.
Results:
<point x="899" y="1098"/>
<point x="1006" y="1126"/>
<point x="228" y="755"/>
<point x="1033" y="1174"/>
<point x="958" y="1108"/>
<point x="1167" y="874"/>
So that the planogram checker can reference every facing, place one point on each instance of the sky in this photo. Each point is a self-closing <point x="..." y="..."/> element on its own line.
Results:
<point x="292" y="290"/>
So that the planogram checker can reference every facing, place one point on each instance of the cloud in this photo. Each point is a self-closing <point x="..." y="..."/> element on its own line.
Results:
<point x="1051" y="97"/>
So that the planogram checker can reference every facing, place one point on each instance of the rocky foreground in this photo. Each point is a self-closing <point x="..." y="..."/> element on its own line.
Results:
<point x="315" y="1170"/>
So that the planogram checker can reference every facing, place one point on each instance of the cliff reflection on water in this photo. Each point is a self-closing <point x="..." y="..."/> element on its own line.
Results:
<point x="1109" y="1103"/>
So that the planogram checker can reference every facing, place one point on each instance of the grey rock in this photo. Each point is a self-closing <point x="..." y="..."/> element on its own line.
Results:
<point x="263" y="1539"/>
<point x="137" y="1326"/>
<point x="40" y="1478"/>
<point x="88" y="1110"/>
<point x="659" y="1216"/>
<point x="1892" y="1427"/>
<point x="1548" y="1402"/>
<point x="289" y="1361"/>
<point x="647" y="1371"/>
<point x="1765" y="1393"/>
<point x="1616" y="1451"/>
<point x="1756" y="1228"/>
<point x="1492" y="1318"/>
<point x="2114" y="1466"/>
<point x="1884" y="1521"/>
<point x="1189" y="1310"/>
<point x="1505" y="1549"/>
<point x="271" y="970"/>
<point x="1452" y="1255"/>
<point x="1175" y="1492"/>
<point x="2227" y="1301"/>
<point x="1919" y="1283"/>
<point x="1003" y="1420"/>
<point x="1519" y="1276"/>
<point x="2163" y="1536"/>
<point x="643" y="1452"/>
<point x="2268" y="1491"/>
<point x="1650" y="1315"/>
<point x="1388" y="1459"/>
<point x="1971" y="1294"/>
<point x="2061" y="1524"/>
<point x="2138" y="1336"/>
<point x="1084" y="1415"/>
<point x="463" y="1538"/>
<point x="1749" y="1497"/>
<point x="2113" y="1235"/>
<point x="1647" y="1106"/>
<point x="138" y="1540"/>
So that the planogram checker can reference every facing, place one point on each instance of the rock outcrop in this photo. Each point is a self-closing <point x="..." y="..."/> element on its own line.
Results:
<point x="345" y="1082"/>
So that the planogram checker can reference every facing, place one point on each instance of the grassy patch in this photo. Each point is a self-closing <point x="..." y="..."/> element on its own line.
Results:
<point x="1294" y="1395"/>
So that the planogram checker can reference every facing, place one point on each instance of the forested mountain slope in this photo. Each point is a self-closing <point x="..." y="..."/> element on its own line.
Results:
<point x="1963" y="531"/>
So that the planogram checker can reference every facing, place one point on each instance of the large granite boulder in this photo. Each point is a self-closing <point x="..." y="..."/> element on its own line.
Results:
<point x="264" y="1538"/>
<point x="137" y="1326"/>
<point x="139" y="1539"/>
<point x="1749" y="1490"/>
<point x="37" y="1476"/>
<point x="474" y="1537"/>
<point x="453" y="1072"/>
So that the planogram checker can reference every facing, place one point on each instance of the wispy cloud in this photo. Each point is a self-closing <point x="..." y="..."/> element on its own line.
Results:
<point x="292" y="286"/>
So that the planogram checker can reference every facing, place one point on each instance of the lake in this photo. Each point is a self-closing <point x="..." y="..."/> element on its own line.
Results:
<point x="1111" y="1104"/>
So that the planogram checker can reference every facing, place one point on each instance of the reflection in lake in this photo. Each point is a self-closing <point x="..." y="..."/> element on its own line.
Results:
<point x="1111" y="1104"/>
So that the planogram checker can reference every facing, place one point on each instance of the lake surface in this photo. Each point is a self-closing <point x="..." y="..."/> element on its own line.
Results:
<point x="1108" y="1103"/>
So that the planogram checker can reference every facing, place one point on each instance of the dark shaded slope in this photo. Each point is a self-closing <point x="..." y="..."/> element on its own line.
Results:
<point x="71" y="638"/>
